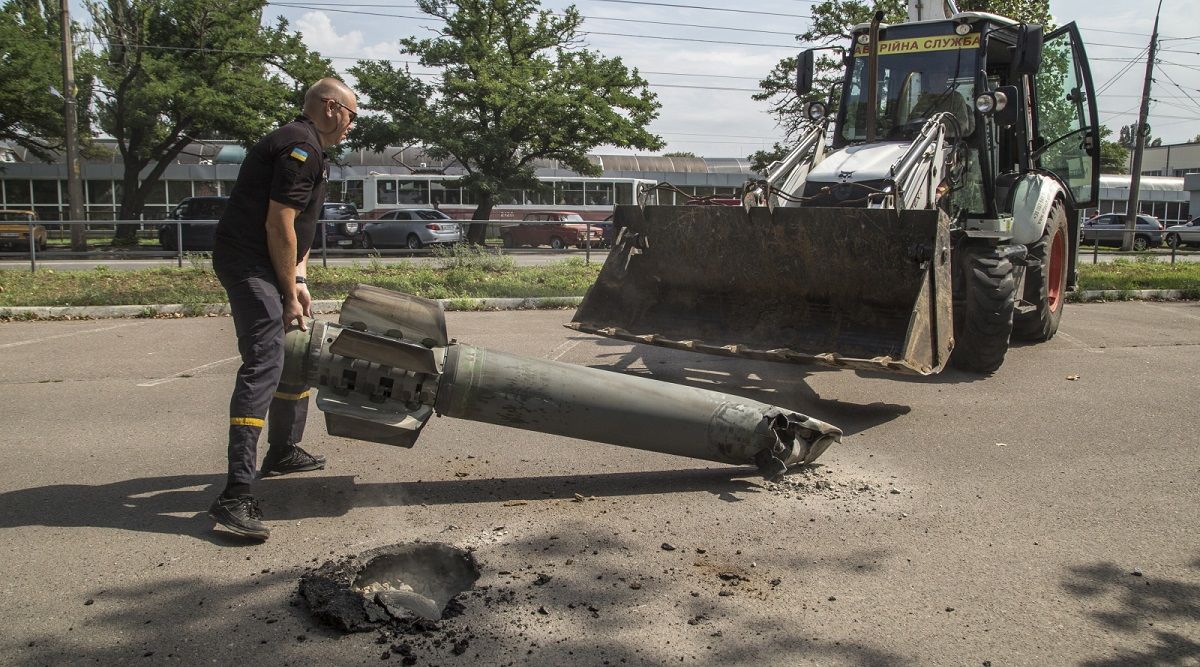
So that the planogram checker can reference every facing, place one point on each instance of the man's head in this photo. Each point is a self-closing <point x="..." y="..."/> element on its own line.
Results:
<point x="332" y="107"/>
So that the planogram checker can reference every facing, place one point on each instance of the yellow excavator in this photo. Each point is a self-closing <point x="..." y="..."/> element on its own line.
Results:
<point x="929" y="219"/>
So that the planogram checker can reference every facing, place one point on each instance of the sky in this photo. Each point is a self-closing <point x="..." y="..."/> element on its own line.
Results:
<point x="704" y="72"/>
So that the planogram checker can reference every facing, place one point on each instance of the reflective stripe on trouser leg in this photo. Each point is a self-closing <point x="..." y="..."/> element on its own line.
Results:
<point x="257" y="311"/>
<point x="289" y="411"/>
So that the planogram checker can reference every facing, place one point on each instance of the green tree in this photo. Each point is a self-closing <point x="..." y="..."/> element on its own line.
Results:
<point x="760" y="160"/>
<point x="173" y="70"/>
<point x="31" y="115"/>
<point x="515" y="86"/>
<point x="680" y="154"/>
<point x="1114" y="157"/>
<point x="1128" y="136"/>
<point x="831" y="24"/>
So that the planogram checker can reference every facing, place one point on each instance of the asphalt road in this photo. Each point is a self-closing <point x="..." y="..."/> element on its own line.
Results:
<point x="1043" y="516"/>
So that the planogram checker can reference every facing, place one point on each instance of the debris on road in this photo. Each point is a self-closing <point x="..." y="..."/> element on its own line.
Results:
<point x="402" y="582"/>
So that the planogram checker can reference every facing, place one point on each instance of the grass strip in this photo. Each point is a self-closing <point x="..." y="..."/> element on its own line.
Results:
<point x="457" y="275"/>
<point x="496" y="277"/>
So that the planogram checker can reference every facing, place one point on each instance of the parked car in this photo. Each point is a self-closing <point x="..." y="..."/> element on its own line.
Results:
<point x="562" y="229"/>
<point x="412" y="228"/>
<point x="607" y="231"/>
<point x="14" y="230"/>
<point x="344" y="233"/>
<point x="1109" y="229"/>
<point x="1181" y="235"/>
<point x="195" y="236"/>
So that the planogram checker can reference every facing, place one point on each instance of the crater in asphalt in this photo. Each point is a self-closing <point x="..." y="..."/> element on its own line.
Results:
<point x="401" y="582"/>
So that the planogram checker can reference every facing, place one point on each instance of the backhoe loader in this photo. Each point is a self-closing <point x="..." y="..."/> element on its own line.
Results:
<point x="929" y="219"/>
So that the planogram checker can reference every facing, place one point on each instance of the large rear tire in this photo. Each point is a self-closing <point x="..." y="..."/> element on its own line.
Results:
<point x="1046" y="283"/>
<point x="984" y="299"/>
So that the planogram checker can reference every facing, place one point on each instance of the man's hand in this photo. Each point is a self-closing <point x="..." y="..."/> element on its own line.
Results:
<point x="293" y="311"/>
<point x="305" y="299"/>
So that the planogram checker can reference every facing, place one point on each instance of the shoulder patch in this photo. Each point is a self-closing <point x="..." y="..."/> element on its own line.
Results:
<point x="299" y="154"/>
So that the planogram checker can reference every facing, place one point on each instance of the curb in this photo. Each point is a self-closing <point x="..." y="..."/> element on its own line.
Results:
<point x="324" y="307"/>
<point x="534" y="303"/>
<point x="1129" y="295"/>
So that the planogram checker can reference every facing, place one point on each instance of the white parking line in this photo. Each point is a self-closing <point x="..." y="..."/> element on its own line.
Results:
<point x="558" y="352"/>
<point x="67" y="335"/>
<point x="1078" y="343"/>
<point x="190" y="371"/>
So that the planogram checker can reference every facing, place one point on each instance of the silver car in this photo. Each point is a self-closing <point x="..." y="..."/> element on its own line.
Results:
<point x="1186" y="234"/>
<point x="412" y="228"/>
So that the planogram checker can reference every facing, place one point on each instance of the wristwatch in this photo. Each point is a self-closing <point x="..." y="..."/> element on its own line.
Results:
<point x="301" y="280"/>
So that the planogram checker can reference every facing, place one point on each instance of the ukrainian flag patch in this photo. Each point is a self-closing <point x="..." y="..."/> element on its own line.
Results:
<point x="299" y="154"/>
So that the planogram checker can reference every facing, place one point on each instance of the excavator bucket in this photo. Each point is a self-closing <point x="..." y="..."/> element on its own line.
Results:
<point x="848" y="287"/>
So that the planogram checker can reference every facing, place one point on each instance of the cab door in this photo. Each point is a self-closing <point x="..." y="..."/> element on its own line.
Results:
<point x="1067" y="128"/>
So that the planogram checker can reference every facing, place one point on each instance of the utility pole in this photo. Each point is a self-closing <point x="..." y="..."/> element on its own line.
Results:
<point x="74" y="181"/>
<point x="1135" y="173"/>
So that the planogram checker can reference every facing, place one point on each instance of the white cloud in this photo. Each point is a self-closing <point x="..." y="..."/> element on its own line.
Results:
<point x="344" y="48"/>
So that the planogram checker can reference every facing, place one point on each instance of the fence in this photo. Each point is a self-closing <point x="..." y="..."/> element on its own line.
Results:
<point x="179" y="253"/>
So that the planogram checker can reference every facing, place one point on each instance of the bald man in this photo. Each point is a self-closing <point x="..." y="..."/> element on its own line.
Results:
<point x="261" y="259"/>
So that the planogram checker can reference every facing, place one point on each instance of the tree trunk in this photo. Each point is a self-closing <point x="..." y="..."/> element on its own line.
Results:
<point x="477" y="233"/>
<point x="133" y="200"/>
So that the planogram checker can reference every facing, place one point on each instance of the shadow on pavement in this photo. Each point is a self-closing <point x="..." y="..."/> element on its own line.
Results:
<point x="178" y="504"/>
<point x="1134" y="604"/>
<point x="565" y="595"/>
<point x="772" y="383"/>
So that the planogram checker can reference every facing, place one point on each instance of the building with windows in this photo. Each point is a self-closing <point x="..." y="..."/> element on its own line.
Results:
<point x="211" y="167"/>
<point x="1163" y="197"/>
<point x="1171" y="160"/>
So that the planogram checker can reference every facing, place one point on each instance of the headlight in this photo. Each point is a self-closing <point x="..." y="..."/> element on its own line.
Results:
<point x="962" y="28"/>
<point x="864" y="39"/>
<point x="991" y="102"/>
<point x="815" y="111"/>
<point x="985" y="103"/>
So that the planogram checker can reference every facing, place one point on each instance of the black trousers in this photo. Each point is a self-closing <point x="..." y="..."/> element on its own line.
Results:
<point x="258" y="397"/>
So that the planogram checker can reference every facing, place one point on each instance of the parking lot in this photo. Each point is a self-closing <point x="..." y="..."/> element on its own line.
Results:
<point x="1042" y="516"/>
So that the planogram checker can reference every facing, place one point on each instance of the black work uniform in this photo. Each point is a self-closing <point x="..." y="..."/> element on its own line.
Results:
<point x="286" y="166"/>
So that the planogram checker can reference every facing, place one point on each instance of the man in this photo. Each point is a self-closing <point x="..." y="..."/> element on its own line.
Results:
<point x="261" y="259"/>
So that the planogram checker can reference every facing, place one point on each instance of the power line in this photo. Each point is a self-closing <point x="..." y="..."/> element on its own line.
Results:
<point x="1127" y="113"/>
<point x="387" y="60"/>
<point x="1192" y="67"/>
<point x="1181" y="88"/>
<point x="1111" y="115"/>
<point x="318" y="6"/>
<point x="1190" y="53"/>
<point x="1122" y="73"/>
<point x="1135" y="34"/>
<point x="623" y="2"/>
<point x="582" y="32"/>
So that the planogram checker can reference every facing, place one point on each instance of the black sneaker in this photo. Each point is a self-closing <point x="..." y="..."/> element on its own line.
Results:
<point x="280" y="461"/>
<point x="240" y="515"/>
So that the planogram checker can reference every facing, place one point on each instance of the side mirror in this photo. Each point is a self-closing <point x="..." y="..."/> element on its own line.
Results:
<point x="804" y="72"/>
<point x="1027" y="55"/>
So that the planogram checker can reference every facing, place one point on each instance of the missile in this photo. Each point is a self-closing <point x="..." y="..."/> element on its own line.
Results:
<point x="387" y="366"/>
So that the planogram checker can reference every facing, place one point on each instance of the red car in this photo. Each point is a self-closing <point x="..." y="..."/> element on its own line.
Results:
<point x="562" y="229"/>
